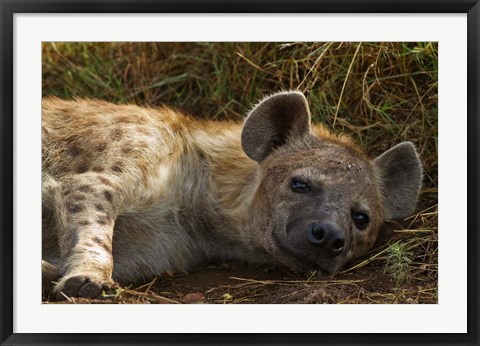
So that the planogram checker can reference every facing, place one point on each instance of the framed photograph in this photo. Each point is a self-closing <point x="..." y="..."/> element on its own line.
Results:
<point x="239" y="172"/>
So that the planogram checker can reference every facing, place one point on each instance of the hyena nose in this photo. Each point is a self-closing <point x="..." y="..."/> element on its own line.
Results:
<point x="328" y="236"/>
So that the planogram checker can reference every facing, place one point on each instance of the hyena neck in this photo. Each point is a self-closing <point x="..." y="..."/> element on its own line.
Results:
<point x="230" y="180"/>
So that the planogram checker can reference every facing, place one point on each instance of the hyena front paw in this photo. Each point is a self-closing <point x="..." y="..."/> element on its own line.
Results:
<point x="83" y="286"/>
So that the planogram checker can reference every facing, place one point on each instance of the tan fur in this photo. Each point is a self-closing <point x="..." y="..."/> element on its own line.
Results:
<point x="132" y="192"/>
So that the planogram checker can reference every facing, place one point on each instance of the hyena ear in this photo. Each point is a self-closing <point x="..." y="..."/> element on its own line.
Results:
<point x="399" y="173"/>
<point x="273" y="121"/>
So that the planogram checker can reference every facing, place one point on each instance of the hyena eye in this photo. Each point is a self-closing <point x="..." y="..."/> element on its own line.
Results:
<point x="299" y="186"/>
<point x="361" y="220"/>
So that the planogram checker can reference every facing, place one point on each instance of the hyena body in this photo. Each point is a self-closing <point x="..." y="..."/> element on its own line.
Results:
<point x="130" y="192"/>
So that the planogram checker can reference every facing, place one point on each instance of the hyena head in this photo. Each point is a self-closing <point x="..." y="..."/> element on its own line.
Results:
<point x="321" y="199"/>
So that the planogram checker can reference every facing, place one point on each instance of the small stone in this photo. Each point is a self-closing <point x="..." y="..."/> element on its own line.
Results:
<point x="193" y="298"/>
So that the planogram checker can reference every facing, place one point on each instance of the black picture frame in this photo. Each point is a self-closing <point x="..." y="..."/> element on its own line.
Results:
<point x="9" y="7"/>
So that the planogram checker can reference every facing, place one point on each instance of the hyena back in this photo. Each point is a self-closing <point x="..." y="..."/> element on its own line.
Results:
<point x="130" y="193"/>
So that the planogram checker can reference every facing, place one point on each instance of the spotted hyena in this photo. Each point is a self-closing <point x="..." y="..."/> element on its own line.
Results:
<point x="131" y="192"/>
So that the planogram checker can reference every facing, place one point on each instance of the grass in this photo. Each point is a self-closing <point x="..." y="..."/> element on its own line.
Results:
<point x="378" y="93"/>
<point x="399" y="262"/>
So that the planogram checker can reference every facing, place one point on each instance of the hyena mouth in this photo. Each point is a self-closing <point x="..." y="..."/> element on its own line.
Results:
<point x="299" y="264"/>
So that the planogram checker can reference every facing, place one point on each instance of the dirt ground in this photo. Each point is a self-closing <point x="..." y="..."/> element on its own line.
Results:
<point x="244" y="284"/>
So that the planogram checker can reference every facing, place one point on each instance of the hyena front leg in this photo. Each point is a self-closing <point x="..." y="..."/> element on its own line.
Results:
<point x="86" y="210"/>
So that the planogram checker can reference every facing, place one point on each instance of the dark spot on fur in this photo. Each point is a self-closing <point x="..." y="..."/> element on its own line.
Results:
<point x="105" y="181"/>
<point x="143" y="145"/>
<point x="103" y="244"/>
<point x="108" y="195"/>
<point x="201" y="155"/>
<point x="143" y="131"/>
<point x="127" y="149"/>
<point x="117" y="167"/>
<point x="116" y="134"/>
<point x="76" y="198"/>
<point x="101" y="146"/>
<point x="74" y="150"/>
<point x="87" y="246"/>
<point x="103" y="220"/>
<point x="99" y="207"/>
<point x="82" y="168"/>
<point x="94" y="252"/>
<point x="75" y="207"/>
<point x="84" y="223"/>
<point x="107" y="247"/>
<point x="97" y="169"/>
<point x="66" y="192"/>
<point x="85" y="188"/>
<point x="124" y="119"/>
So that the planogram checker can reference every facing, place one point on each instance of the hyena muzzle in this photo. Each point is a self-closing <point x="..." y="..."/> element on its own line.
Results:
<point x="130" y="193"/>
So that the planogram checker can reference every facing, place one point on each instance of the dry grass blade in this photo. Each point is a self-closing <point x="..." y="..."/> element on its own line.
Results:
<point x="345" y="83"/>
<point x="367" y="261"/>
<point x="152" y="297"/>
<point x="297" y="282"/>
